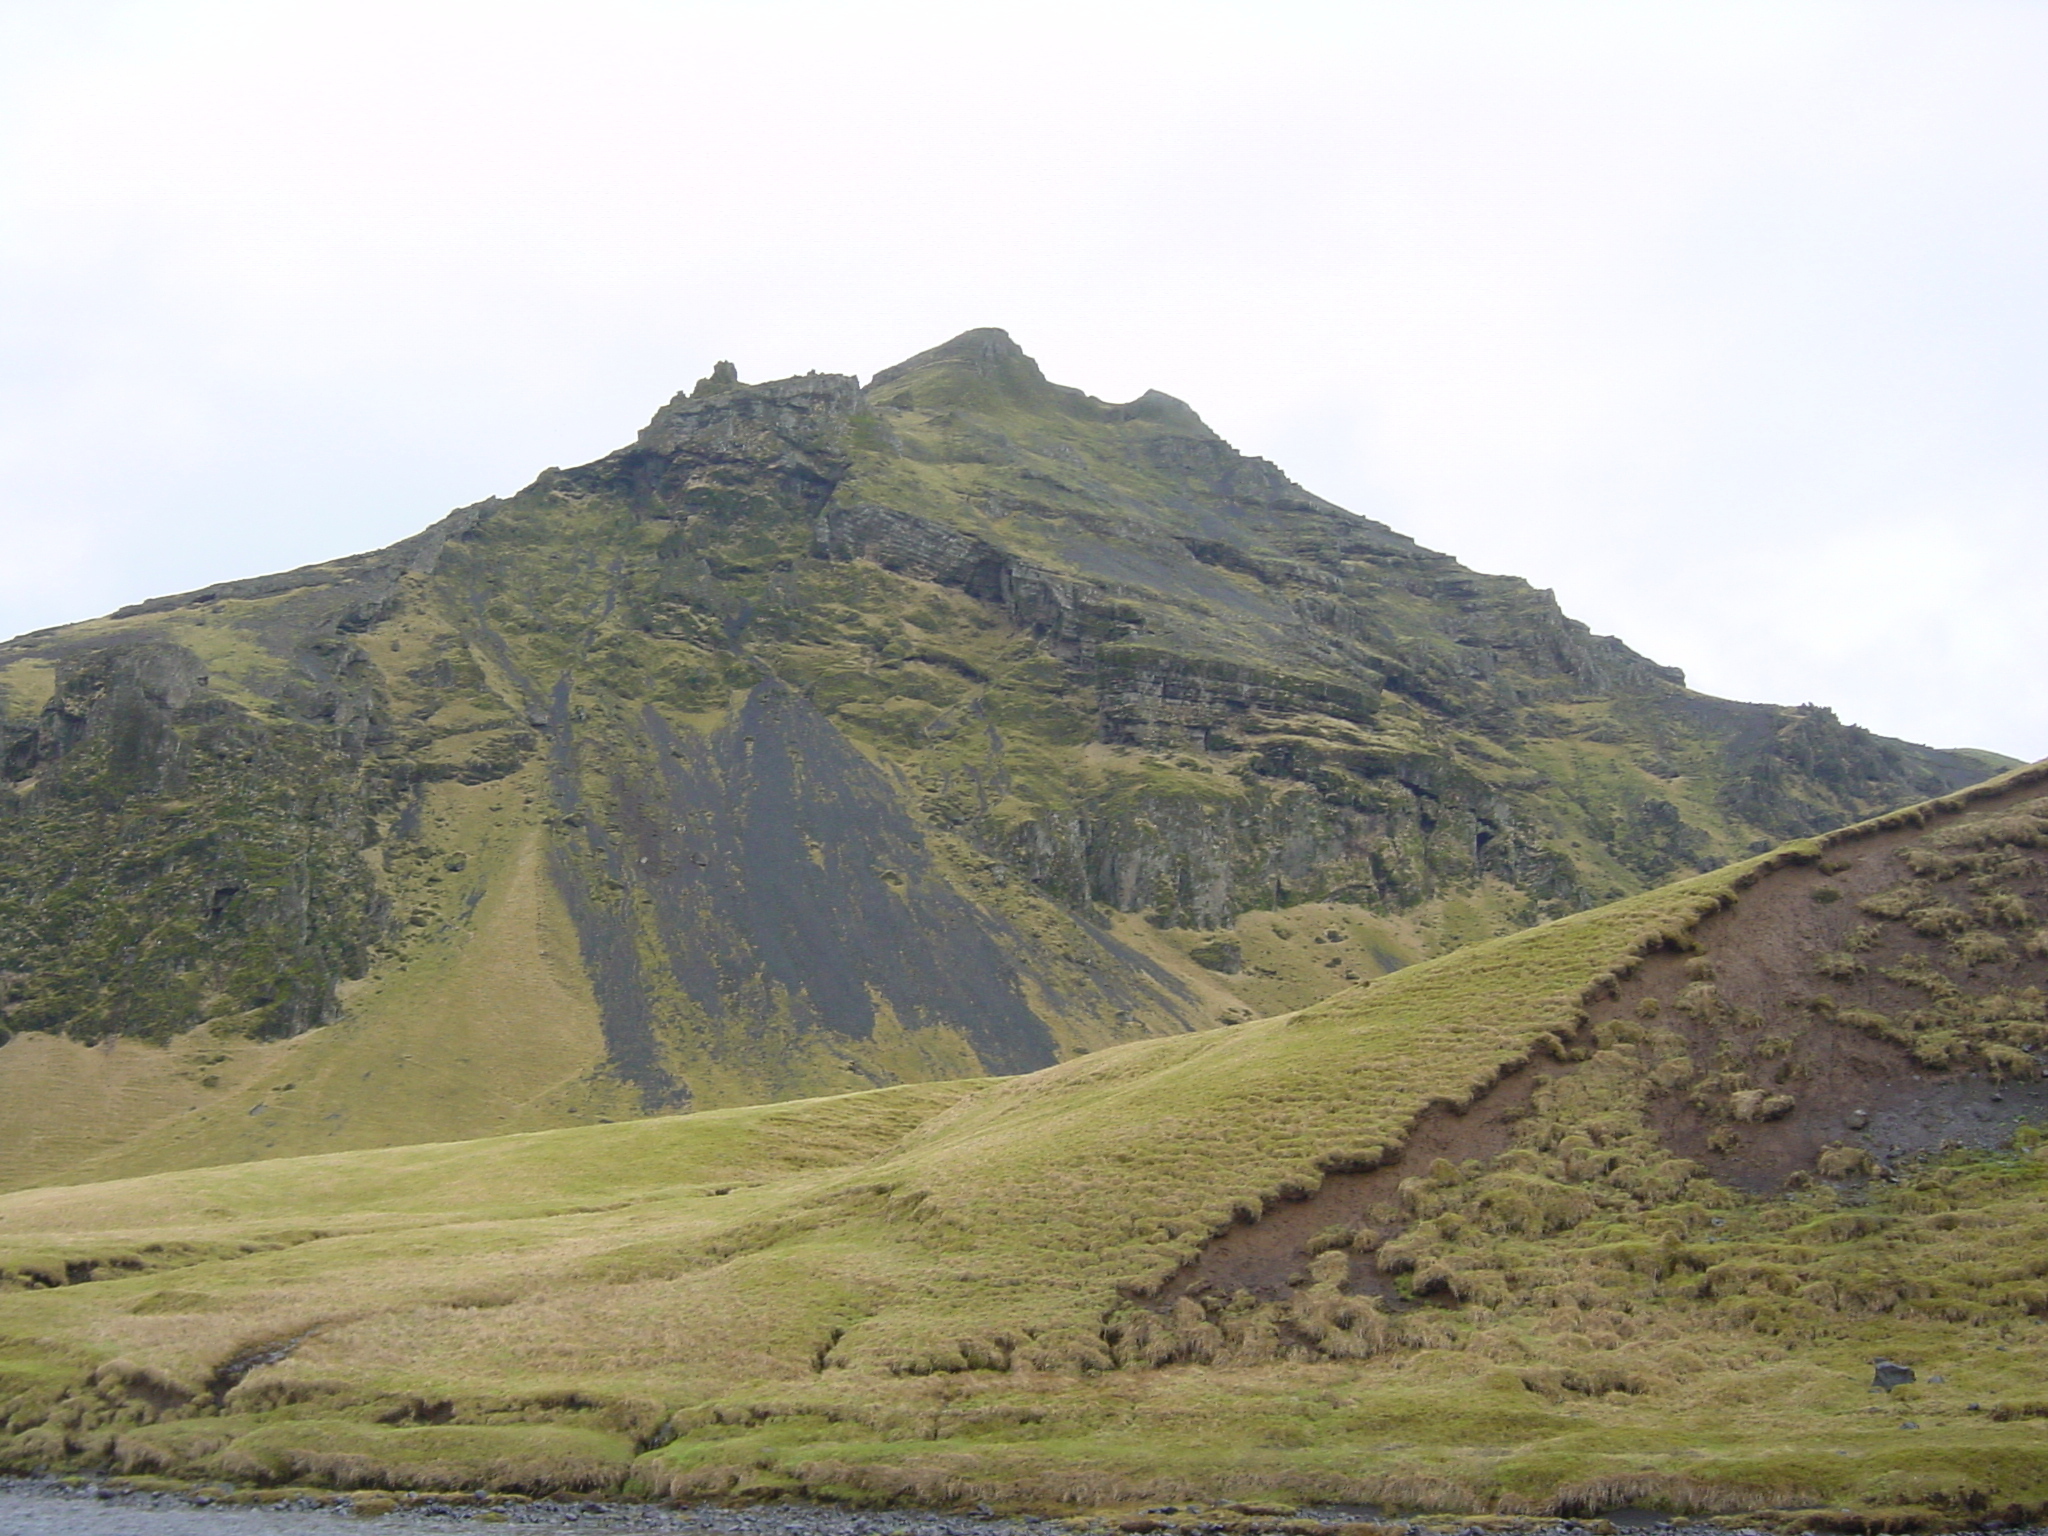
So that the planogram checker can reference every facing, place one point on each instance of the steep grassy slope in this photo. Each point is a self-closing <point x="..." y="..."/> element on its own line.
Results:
<point x="823" y="738"/>
<point x="1616" y="1208"/>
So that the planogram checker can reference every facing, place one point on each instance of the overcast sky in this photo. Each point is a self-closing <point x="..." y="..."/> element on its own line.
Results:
<point x="1724" y="320"/>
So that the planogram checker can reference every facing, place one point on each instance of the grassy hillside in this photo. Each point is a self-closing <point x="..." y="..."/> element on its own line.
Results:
<point x="822" y="739"/>
<point x="1614" y="1209"/>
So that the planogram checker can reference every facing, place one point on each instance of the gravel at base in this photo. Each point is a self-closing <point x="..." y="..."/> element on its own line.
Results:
<point x="40" y="1507"/>
<point x="45" y="1507"/>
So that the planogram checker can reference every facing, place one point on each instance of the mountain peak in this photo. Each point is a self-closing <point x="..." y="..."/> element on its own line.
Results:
<point x="985" y="369"/>
<point x="975" y="363"/>
<point x="829" y="718"/>
<point x="985" y="345"/>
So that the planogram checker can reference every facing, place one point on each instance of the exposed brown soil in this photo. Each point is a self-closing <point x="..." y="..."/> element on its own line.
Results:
<point x="1267" y="1256"/>
<point x="1852" y="1087"/>
<point x="1775" y="1024"/>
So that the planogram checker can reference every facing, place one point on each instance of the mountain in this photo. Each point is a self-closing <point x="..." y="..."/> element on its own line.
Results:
<point x="826" y="737"/>
<point x="1617" y="1210"/>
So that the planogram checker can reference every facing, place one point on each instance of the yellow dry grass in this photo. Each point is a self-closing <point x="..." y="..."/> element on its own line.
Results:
<point x="488" y="1026"/>
<point x="63" y="1105"/>
<point x="937" y="1291"/>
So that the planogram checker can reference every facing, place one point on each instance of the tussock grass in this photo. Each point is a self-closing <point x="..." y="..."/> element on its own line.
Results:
<point x="945" y="1292"/>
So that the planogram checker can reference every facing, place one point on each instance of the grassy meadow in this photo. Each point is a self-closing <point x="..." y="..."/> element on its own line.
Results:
<point x="964" y="1291"/>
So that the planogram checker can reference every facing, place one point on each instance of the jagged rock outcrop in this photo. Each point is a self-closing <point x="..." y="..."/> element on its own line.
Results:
<point x="173" y="857"/>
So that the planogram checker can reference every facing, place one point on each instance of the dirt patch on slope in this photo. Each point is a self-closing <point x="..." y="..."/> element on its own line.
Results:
<point x="1801" y="1051"/>
<point x="1779" y="1021"/>
<point x="1267" y="1257"/>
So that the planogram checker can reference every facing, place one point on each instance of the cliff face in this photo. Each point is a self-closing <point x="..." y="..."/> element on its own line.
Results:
<point x="825" y="736"/>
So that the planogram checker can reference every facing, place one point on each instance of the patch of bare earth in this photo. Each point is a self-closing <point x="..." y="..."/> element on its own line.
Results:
<point x="1268" y="1257"/>
<point x="1787" y="1068"/>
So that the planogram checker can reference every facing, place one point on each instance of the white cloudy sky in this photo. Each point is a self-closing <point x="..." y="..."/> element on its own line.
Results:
<point x="1723" y="319"/>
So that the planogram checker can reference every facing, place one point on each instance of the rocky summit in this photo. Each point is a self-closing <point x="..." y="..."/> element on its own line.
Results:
<point x="825" y="737"/>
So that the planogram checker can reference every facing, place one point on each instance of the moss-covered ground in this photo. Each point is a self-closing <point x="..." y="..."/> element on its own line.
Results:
<point x="965" y="1290"/>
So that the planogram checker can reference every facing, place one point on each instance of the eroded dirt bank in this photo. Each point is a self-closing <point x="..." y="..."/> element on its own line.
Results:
<point x="1875" y="1003"/>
